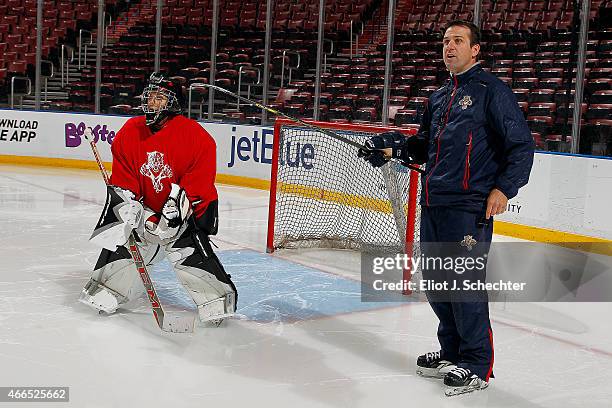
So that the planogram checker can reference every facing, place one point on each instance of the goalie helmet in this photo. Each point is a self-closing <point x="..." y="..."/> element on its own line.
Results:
<point x="160" y="99"/>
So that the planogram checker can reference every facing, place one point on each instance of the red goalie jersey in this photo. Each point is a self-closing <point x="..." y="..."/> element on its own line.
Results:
<point x="146" y="163"/>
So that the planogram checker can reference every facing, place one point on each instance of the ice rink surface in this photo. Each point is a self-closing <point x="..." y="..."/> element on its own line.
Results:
<point x="302" y="337"/>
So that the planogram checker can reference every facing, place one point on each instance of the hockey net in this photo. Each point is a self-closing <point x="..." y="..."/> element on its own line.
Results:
<point x="323" y="196"/>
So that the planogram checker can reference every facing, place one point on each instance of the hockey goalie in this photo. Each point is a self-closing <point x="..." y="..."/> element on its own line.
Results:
<point x="161" y="189"/>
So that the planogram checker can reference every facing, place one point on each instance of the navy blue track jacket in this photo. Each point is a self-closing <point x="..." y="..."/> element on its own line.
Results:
<point x="474" y="138"/>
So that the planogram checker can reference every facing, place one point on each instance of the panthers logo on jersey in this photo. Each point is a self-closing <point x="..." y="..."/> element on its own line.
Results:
<point x="156" y="170"/>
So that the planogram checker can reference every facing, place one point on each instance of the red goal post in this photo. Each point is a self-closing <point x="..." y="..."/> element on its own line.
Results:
<point x="323" y="195"/>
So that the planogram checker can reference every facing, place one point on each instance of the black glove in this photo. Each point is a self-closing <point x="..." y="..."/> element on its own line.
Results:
<point x="375" y="157"/>
<point x="393" y="140"/>
<point x="388" y="140"/>
<point x="415" y="150"/>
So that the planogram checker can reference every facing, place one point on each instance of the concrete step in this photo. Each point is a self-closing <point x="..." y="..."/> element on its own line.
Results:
<point x="58" y="81"/>
<point x="92" y="51"/>
<point x="50" y="95"/>
<point x="72" y="76"/>
<point x="24" y="106"/>
<point x="347" y="55"/>
<point x="337" y="60"/>
<point x="32" y="101"/>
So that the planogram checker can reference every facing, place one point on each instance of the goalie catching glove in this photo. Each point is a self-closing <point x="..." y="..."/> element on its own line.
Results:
<point x="177" y="207"/>
<point x="173" y="214"/>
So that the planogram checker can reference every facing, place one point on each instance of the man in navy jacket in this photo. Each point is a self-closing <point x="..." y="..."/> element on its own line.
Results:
<point x="478" y="152"/>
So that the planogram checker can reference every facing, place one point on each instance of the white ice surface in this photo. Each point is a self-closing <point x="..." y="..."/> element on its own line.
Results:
<point x="546" y="355"/>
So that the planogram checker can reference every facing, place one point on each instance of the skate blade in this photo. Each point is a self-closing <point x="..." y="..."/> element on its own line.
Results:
<point x="178" y="323"/>
<point x="453" y="391"/>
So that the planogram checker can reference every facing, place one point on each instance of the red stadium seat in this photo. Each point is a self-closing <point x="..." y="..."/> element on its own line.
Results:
<point x="340" y="112"/>
<point x="304" y="98"/>
<point x="599" y="111"/>
<point x="599" y="84"/>
<point x="563" y="111"/>
<point x="525" y="83"/>
<point x="540" y="124"/>
<point x="406" y="116"/>
<point x="366" y="114"/>
<point x="17" y="67"/>
<point x="542" y="108"/>
<point x="521" y="95"/>
<point x="602" y="97"/>
<point x="373" y="101"/>
<point x="541" y="95"/>
<point x="550" y="83"/>
<point x="345" y="100"/>
<point x="417" y="103"/>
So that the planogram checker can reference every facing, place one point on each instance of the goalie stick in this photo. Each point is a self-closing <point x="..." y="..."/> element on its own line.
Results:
<point x="170" y="323"/>
<point x="328" y="132"/>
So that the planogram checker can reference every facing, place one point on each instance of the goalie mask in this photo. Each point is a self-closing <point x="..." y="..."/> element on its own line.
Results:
<point x="160" y="99"/>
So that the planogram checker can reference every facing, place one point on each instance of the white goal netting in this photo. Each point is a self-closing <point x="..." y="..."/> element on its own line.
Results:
<point x="324" y="196"/>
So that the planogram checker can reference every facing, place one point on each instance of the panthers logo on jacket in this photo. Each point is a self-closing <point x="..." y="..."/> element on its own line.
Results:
<point x="477" y="139"/>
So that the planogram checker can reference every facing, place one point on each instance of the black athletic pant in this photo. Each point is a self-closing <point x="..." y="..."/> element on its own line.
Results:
<point x="464" y="331"/>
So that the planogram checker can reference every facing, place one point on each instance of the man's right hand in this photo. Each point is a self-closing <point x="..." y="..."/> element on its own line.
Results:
<point x="381" y="148"/>
<point x="376" y="158"/>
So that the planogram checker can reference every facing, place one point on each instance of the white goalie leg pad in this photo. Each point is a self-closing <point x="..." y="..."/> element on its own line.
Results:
<point x="116" y="274"/>
<point x="100" y="297"/>
<point x="213" y="298"/>
<point x="120" y="277"/>
<point x="217" y="309"/>
<point x="203" y="276"/>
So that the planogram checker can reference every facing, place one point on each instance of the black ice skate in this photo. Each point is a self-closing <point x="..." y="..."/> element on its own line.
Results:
<point x="462" y="380"/>
<point x="433" y="366"/>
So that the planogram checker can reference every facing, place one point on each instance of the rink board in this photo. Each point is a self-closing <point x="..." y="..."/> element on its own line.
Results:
<point x="567" y="198"/>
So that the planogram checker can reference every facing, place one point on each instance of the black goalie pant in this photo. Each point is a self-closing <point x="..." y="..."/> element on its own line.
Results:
<point x="195" y="264"/>
<point x="464" y="331"/>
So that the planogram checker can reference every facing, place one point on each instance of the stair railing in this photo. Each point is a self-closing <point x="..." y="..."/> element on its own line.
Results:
<point x="65" y="63"/>
<point x="240" y="71"/>
<point x="81" y="32"/>
<point x="327" y="52"/>
<point x="191" y="88"/>
<point x="359" y="31"/>
<point x="289" y="66"/>
<point x="28" y="81"/>
<point x="51" y="73"/>
<point x="106" y="26"/>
